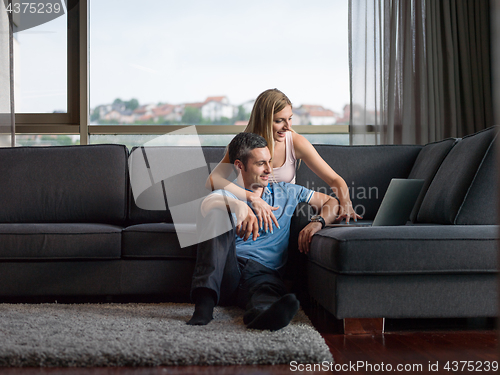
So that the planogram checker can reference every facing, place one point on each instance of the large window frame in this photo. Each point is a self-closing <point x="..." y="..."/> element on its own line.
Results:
<point x="76" y="120"/>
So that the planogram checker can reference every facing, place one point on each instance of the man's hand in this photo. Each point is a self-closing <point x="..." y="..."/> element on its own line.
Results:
<point x="248" y="224"/>
<point x="306" y="235"/>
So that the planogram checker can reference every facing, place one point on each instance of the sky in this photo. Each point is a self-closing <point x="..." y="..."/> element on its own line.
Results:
<point x="184" y="51"/>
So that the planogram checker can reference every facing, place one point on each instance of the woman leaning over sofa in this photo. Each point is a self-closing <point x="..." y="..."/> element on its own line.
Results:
<point x="271" y="118"/>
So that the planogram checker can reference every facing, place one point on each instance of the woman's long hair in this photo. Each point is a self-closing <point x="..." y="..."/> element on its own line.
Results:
<point x="265" y="107"/>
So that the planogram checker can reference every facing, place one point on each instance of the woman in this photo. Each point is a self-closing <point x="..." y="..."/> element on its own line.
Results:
<point x="271" y="118"/>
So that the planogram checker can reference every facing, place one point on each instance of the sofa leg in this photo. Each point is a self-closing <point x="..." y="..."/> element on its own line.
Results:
<point x="364" y="326"/>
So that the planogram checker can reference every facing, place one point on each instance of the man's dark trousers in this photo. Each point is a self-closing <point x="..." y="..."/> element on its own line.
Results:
<point x="235" y="280"/>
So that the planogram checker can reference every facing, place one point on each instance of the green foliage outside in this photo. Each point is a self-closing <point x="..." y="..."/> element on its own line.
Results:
<point x="94" y="116"/>
<point x="242" y="115"/>
<point x="191" y="116"/>
<point x="131" y="104"/>
<point x="45" y="140"/>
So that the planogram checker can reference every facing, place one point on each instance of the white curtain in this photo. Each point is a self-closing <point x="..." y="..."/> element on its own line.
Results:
<point x="7" y="117"/>
<point x="420" y="70"/>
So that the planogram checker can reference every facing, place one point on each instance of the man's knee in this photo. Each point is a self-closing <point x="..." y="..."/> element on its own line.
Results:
<point x="270" y="288"/>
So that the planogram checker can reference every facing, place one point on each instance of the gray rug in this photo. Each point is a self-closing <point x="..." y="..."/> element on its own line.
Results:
<point x="147" y="335"/>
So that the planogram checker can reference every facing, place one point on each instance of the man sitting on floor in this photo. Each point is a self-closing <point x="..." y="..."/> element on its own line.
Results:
<point x="233" y="269"/>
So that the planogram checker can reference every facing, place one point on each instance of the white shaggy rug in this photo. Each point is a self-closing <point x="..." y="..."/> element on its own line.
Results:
<point x="65" y="335"/>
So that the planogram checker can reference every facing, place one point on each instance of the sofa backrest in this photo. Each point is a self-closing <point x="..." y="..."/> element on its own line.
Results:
<point x="464" y="189"/>
<point x="367" y="170"/>
<point x="169" y="175"/>
<point x="459" y="189"/>
<point x="63" y="184"/>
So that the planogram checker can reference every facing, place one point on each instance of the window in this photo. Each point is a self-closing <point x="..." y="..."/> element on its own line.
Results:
<point x="161" y="65"/>
<point x="41" y="68"/>
<point x="47" y="75"/>
<point x="204" y="62"/>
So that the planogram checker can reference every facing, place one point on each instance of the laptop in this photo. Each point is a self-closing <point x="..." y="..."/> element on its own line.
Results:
<point x="396" y="206"/>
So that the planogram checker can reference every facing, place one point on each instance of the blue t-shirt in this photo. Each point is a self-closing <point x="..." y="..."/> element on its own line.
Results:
<point x="270" y="249"/>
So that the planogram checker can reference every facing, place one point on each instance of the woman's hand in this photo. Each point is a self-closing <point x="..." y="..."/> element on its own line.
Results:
<point x="264" y="213"/>
<point x="346" y="211"/>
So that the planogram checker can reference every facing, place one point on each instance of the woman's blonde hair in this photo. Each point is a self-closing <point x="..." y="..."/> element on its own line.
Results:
<point x="265" y="107"/>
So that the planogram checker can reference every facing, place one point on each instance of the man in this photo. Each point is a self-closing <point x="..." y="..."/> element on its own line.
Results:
<point x="233" y="268"/>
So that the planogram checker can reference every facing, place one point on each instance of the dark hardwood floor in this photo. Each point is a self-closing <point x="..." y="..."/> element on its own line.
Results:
<point x="408" y="346"/>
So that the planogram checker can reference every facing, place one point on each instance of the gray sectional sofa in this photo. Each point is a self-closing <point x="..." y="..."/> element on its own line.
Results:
<point x="443" y="263"/>
<point x="69" y="226"/>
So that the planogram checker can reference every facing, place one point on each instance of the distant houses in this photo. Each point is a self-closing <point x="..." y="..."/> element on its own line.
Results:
<point x="308" y="114"/>
<point x="214" y="110"/>
<point x="156" y="113"/>
<point x="216" y="107"/>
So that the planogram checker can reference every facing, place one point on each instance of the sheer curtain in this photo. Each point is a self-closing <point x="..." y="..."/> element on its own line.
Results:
<point x="420" y="70"/>
<point x="7" y="120"/>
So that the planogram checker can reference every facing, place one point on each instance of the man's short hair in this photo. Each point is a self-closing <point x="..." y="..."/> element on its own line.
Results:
<point x="241" y="146"/>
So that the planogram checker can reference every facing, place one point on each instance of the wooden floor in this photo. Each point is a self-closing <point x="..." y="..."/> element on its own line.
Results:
<point x="414" y="346"/>
<point x="408" y="346"/>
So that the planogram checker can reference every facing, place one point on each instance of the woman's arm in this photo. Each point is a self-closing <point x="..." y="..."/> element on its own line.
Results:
<point x="218" y="180"/>
<point x="218" y="177"/>
<point x="305" y="150"/>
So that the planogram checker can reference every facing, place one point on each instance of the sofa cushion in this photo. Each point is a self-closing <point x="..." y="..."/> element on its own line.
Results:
<point x="157" y="240"/>
<point x="159" y="210"/>
<point x="60" y="278"/>
<point x="63" y="184"/>
<point x="480" y="203"/>
<point x="449" y="188"/>
<point x="59" y="241"/>
<point x="367" y="170"/>
<point x="409" y="249"/>
<point x="427" y="164"/>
